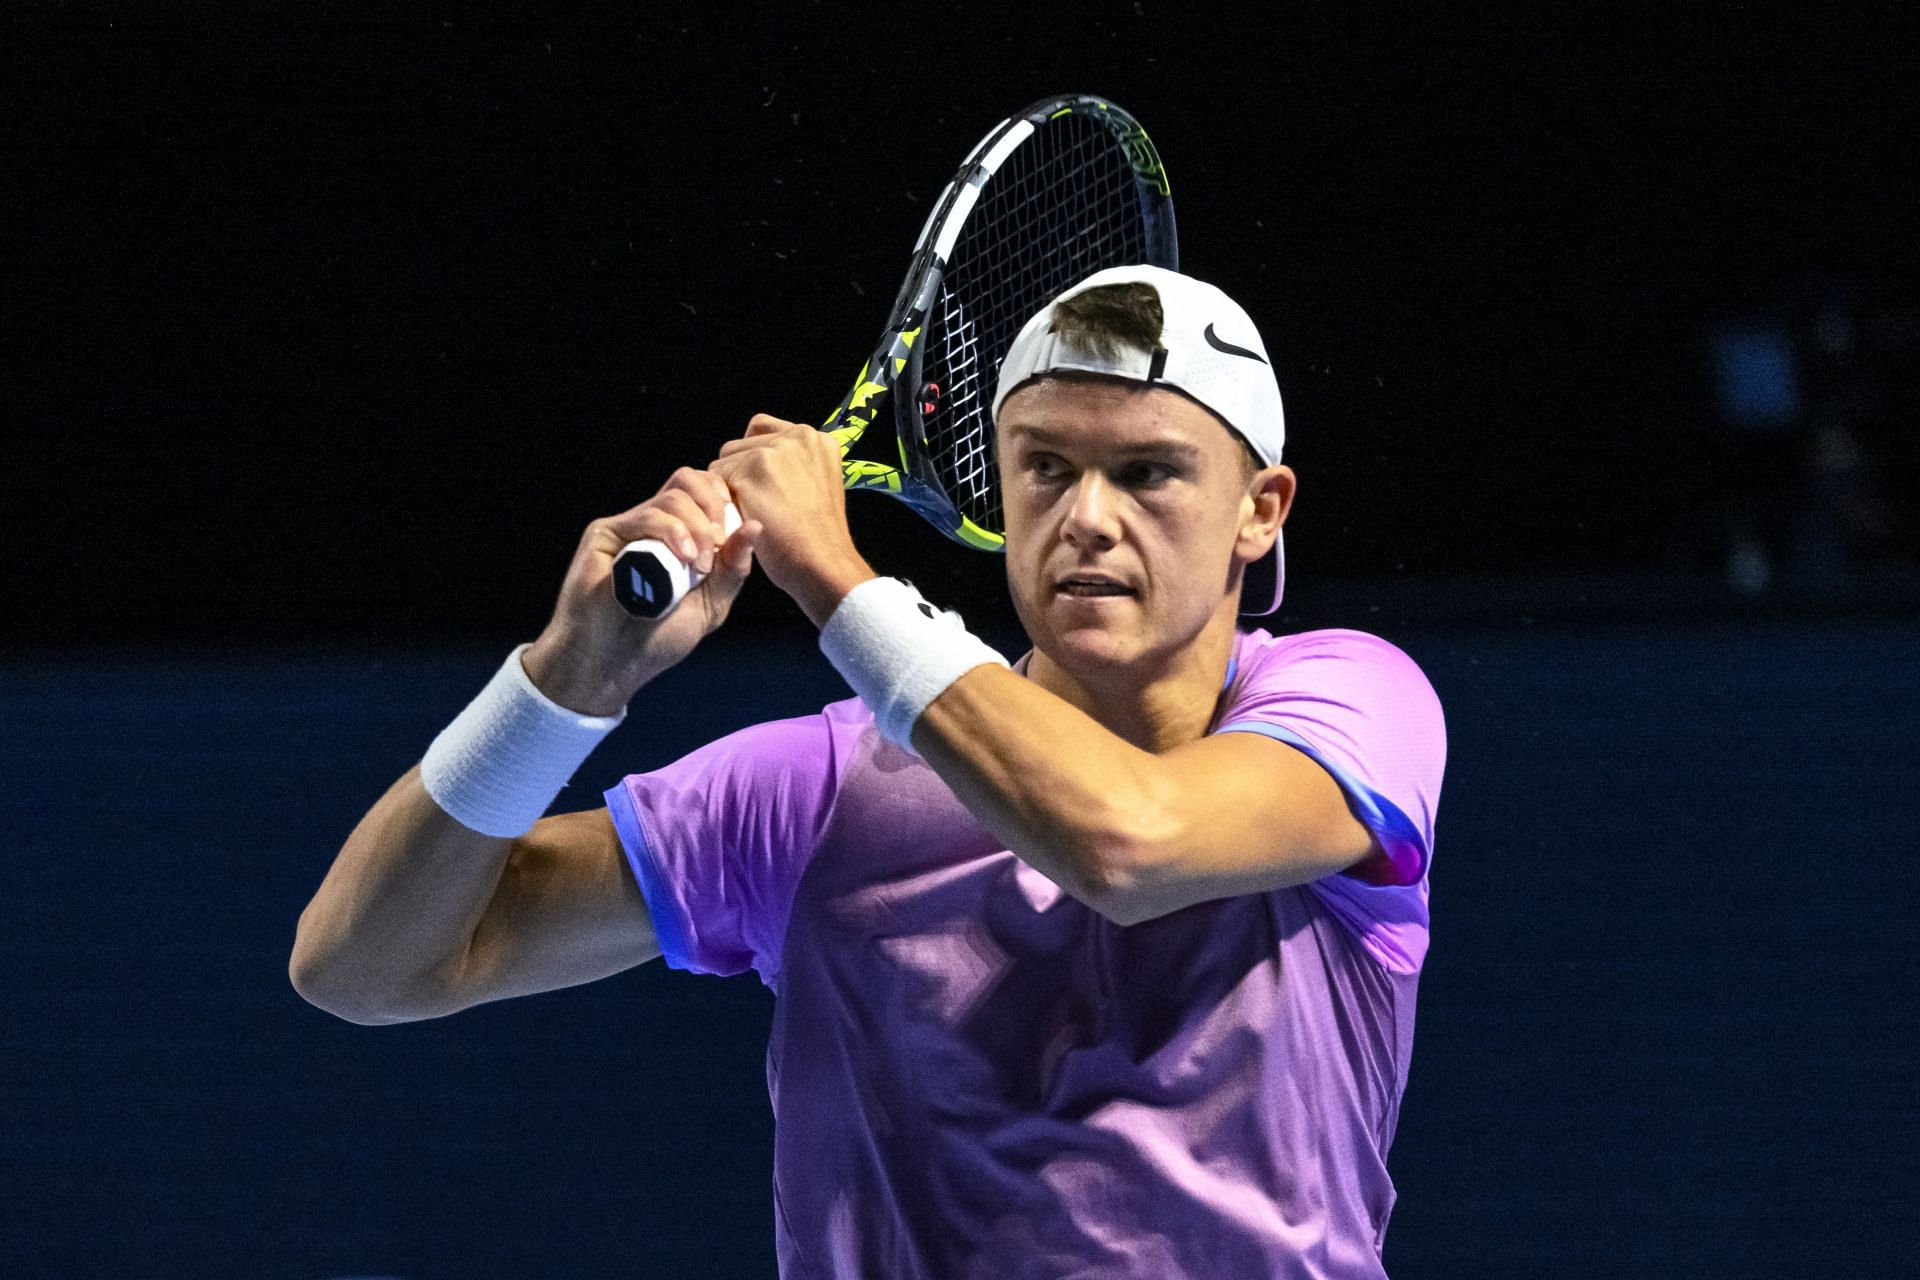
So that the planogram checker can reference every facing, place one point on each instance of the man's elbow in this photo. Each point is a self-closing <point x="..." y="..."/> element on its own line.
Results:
<point x="1124" y="862"/>
<point x="1125" y="900"/>
<point x="363" y="1004"/>
<point x="328" y="997"/>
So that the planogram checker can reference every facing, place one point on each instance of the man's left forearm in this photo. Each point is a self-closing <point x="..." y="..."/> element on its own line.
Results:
<point x="1071" y="799"/>
<point x="820" y="591"/>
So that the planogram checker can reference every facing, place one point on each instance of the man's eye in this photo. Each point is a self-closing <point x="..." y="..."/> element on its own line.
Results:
<point x="1044" y="464"/>
<point x="1147" y="473"/>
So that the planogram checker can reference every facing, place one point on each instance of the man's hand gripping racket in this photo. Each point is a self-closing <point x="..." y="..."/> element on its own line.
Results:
<point x="591" y="658"/>
<point x="1065" y="188"/>
<point x="649" y="580"/>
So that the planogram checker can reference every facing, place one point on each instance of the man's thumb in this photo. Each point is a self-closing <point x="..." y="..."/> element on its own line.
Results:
<point x="733" y="564"/>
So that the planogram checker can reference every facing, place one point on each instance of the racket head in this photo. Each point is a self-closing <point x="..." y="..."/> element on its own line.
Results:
<point x="1067" y="187"/>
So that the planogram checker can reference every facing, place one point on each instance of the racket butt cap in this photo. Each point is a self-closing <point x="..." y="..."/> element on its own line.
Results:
<point x="648" y="580"/>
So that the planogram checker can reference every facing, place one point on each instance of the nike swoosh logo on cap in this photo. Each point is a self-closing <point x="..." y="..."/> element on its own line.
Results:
<point x="1228" y="347"/>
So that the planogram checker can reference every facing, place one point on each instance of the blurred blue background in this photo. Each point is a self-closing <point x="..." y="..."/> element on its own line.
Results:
<point x="328" y="330"/>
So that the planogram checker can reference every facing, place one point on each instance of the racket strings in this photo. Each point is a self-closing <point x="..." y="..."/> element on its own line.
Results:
<point x="1065" y="204"/>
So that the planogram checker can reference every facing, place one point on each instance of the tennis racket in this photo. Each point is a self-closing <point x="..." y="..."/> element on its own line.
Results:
<point x="1067" y="187"/>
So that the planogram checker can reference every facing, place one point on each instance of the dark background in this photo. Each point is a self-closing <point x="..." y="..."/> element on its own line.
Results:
<point x="327" y="331"/>
<point x="326" y="325"/>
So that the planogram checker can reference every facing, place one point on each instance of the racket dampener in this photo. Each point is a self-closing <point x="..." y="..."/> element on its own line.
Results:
<point x="649" y="580"/>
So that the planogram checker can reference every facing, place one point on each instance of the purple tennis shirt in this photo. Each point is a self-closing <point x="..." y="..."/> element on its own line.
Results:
<point x="975" y="1075"/>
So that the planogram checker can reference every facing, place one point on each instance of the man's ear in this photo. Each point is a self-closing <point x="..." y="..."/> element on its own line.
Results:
<point x="1271" y="492"/>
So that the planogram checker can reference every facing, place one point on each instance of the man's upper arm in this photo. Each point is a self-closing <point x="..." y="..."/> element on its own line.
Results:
<point x="1239" y="813"/>
<point x="567" y="911"/>
<point x="1328" y="761"/>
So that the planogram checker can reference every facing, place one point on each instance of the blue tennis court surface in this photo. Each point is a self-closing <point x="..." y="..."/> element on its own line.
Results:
<point x="1665" y="1027"/>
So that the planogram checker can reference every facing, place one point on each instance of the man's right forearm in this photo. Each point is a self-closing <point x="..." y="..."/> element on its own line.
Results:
<point x="386" y="935"/>
<point x="389" y="934"/>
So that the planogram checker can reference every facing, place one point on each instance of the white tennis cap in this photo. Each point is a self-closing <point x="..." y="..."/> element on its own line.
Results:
<point x="1208" y="349"/>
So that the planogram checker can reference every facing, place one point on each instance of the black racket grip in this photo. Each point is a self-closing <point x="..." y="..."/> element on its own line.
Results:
<point x="649" y="581"/>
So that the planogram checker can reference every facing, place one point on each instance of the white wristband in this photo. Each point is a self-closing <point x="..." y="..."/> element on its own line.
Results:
<point x="502" y="761"/>
<point x="898" y="652"/>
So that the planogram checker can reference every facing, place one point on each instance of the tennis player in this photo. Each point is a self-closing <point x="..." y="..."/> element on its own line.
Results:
<point x="1099" y="963"/>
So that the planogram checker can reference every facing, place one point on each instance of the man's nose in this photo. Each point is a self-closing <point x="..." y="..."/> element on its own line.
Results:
<point x="1091" y="515"/>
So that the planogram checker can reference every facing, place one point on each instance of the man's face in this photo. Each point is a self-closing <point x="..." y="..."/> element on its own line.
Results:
<point x="1129" y="516"/>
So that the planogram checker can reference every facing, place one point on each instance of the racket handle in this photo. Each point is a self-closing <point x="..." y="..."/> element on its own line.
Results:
<point x="649" y="581"/>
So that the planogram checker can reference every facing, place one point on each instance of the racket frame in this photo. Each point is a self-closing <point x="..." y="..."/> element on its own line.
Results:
<point x="897" y="355"/>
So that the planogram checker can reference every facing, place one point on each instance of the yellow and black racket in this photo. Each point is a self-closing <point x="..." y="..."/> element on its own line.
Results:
<point x="1067" y="187"/>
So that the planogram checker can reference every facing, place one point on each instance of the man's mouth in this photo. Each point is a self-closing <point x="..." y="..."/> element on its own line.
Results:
<point x="1092" y="586"/>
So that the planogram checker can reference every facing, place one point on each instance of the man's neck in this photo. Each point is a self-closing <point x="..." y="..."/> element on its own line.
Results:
<point x="1154" y="707"/>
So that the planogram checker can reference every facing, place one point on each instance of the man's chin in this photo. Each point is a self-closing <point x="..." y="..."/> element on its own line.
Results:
<point x="1091" y="646"/>
<point x="1106" y="637"/>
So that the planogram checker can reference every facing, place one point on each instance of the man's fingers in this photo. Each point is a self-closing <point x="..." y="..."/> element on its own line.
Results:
<point x="731" y="569"/>
<point x="708" y="530"/>
<point x="762" y="426"/>
<point x="734" y="560"/>
<point x="740" y="546"/>
<point x="706" y="488"/>
<point x="675" y="523"/>
<point x="697" y="498"/>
